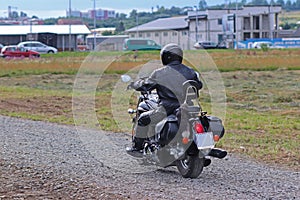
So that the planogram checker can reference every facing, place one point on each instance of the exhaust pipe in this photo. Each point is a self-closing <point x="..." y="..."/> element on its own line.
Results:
<point x="218" y="153"/>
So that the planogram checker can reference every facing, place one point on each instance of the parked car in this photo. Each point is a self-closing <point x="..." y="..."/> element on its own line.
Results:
<point x="1" y="46"/>
<point x="15" y="51"/>
<point x="38" y="47"/>
<point x="132" y="44"/>
<point x="208" y="45"/>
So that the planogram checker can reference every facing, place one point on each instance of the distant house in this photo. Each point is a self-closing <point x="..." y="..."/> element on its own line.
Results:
<point x="106" y="43"/>
<point x="225" y="25"/>
<point x="100" y="14"/>
<point x="63" y="37"/>
<point x="163" y="31"/>
<point x="216" y="25"/>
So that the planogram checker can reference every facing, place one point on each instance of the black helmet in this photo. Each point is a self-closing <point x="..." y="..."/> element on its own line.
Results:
<point x="171" y="52"/>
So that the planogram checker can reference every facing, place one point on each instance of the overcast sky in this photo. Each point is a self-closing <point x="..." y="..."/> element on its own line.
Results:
<point x="55" y="8"/>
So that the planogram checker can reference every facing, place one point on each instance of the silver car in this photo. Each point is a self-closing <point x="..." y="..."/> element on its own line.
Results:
<point x="37" y="46"/>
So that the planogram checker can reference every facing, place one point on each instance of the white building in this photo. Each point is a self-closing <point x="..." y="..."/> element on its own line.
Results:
<point x="164" y="31"/>
<point x="214" y="25"/>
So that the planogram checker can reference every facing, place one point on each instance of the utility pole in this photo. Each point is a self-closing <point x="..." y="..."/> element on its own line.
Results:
<point x="196" y="27"/>
<point x="137" y="24"/>
<point x="236" y="25"/>
<point x="70" y="26"/>
<point x="271" y="21"/>
<point x="94" y="24"/>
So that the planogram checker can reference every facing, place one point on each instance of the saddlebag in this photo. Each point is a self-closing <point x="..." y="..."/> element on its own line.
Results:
<point x="215" y="125"/>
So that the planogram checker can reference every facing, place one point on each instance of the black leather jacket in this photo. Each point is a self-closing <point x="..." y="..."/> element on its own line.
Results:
<point x="168" y="82"/>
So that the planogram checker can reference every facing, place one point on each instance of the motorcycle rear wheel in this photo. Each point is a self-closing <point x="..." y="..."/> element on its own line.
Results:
<point x="190" y="167"/>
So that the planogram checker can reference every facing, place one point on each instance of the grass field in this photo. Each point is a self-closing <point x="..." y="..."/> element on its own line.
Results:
<point x="262" y="88"/>
<point x="290" y="17"/>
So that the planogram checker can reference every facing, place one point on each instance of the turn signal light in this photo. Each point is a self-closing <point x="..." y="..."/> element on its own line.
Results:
<point x="216" y="138"/>
<point x="185" y="140"/>
<point x="198" y="128"/>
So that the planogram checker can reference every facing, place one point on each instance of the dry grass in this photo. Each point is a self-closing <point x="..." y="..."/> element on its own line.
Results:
<point x="290" y="16"/>
<point x="257" y="60"/>
<point x="263" y="98"/>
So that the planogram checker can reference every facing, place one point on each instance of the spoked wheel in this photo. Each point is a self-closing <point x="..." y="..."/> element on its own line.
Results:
<point x="190" y="167"/>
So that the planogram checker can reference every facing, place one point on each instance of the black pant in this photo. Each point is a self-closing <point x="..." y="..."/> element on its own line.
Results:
<point x="146" y="124"/>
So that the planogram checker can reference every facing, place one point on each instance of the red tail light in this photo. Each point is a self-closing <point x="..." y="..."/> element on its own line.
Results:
<point x="198" y="128"/>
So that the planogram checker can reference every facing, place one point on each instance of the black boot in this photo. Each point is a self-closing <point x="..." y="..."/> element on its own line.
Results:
<point x="137" y="147"/>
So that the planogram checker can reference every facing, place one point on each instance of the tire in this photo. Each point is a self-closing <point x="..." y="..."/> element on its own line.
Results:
<point x="190" y="167"/>
<point x="50" y="52"/>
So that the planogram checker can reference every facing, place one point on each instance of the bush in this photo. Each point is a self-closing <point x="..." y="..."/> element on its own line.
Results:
<point x="264" y="47"/>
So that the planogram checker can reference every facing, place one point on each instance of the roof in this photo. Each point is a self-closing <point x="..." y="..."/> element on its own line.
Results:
<point x="172" y="23"/>
<point x="297" y="33"/>
<point x="56" y="29"/>
<point x="108" y="36"/>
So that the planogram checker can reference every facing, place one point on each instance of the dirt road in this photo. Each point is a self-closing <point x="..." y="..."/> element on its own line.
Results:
<point x="41" y="160"/>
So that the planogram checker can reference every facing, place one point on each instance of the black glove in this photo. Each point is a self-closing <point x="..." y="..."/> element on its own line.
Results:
<point x="130" y="86"/>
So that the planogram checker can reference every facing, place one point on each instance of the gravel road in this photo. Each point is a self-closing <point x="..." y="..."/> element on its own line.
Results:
<point x="41" y="160"/>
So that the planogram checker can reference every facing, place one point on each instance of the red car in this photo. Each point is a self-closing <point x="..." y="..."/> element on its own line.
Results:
<point x="15" y="51"/>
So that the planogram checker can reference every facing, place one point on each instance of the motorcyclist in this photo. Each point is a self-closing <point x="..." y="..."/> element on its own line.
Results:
<point x="168" y="82"/>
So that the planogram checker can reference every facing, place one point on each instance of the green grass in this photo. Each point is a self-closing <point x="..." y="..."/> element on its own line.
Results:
<point x="263" y="96"/>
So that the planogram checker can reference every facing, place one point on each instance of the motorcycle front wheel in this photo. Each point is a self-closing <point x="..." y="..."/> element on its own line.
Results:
<point x="190" y="167"/>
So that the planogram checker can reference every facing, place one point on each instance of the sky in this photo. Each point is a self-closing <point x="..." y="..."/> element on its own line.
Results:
<point x="56" y="8"/>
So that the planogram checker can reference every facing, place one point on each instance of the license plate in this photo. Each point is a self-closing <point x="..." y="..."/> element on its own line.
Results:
<point x="205" y="140"/>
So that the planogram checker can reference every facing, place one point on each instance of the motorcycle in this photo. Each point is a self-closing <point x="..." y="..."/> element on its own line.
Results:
<point x="185" y="139"/>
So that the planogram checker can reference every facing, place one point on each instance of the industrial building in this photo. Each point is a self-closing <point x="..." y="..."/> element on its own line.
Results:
<point x="63" y="37"/>
<point x="216" y="25"/>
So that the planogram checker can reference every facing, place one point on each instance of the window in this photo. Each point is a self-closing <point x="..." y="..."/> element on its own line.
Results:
<point x="132" y="35"/>
<point x="174" y="33"/>
<point x="11" y="49"/>
<point x="184" y="33"/>
<point x="38" y="45"/>
<point x="140" y="35"/>
<point x="156" y="34"/>
<point x="219" y="21"/>
<point x="148" y="34"/>
<point x="22" y="49"/>
<point x="151" y="43"/>
<point x="138" y="42"/>
<point x="165" y="34"/>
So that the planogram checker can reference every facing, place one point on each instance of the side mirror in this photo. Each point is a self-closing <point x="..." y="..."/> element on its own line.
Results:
<point x="126" y="78"/>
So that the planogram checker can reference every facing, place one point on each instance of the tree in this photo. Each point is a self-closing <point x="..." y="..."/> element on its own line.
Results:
<point x="122" y="16"/>
<point x="288" y="5"/>
<point x="120" y="27"/>
<point x="281" y="2"/>
<point x="244" y="2"/>
<point x="202" y="5"/>
<point x="161" y="10"/>
<point x="259" y="2"/>
<point x="133" y="13"/>
<point x="105" y="33"/>
<point x="272" y="2"/>
<point x="297" y="4"/>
